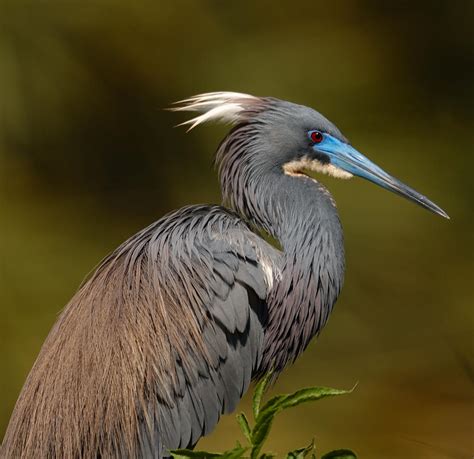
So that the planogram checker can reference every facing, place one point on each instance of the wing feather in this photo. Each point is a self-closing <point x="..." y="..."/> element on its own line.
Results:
<point x="160" y="341"/>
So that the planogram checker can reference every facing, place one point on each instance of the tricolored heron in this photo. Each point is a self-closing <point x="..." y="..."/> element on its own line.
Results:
<point x="169" y="331"/>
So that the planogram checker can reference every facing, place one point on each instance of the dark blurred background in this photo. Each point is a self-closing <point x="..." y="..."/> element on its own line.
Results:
<point x="88" y="156"/>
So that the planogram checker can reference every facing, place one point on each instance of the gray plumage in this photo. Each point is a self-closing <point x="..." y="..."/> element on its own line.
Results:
<point x="169" y="331"/>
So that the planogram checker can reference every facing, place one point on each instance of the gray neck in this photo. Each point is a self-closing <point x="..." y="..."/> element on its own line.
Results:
<point x="300" y="213"/>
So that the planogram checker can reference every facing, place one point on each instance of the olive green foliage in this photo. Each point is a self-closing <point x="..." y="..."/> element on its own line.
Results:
<point x="264" y="416"/>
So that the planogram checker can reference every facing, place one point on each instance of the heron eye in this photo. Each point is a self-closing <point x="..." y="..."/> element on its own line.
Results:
<point x="316" y="136"/>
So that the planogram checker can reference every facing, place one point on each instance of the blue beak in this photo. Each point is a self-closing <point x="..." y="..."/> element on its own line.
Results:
<point x="346" y="157"/>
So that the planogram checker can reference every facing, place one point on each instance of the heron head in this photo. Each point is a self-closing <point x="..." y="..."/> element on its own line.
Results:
<point x="292" y="138"/>
<point x="306" y="140"/>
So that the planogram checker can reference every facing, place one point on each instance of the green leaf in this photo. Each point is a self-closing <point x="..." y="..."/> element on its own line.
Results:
<point x="340" y="454"/>
<point x="263" y="421"/>
<point x="309" y="394"/>
<point x="272" y="404"/>
<point x="276" y="404"/>
<point x="260" y="432"/>
<point x="244" y="425"/>
<point x="235" y="453"/>
<point x="263" y="424"/>
<point x="301" y="453"/>
<point x="258" y="393"/>
<point x="186" y="453"/>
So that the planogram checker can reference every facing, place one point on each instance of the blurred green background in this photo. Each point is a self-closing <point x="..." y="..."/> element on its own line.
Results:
<point x="88" y="157"/>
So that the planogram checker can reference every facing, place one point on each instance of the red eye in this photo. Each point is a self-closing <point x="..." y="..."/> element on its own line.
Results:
<point x="316" y="137"/>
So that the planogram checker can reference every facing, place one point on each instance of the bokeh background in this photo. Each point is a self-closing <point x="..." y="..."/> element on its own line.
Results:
<point x="88" y="156"/>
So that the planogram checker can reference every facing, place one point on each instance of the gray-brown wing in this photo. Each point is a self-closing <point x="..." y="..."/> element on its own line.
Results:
<point x="218" y="268"/>
<point x="160" y="341"/>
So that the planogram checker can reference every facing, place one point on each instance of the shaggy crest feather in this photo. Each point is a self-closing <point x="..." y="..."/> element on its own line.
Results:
<point x="216" y="106"/>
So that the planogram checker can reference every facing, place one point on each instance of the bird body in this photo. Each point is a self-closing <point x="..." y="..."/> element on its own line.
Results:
<point x="168" y="332"/>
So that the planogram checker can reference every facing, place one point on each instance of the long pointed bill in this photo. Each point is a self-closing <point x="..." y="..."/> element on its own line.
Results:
<point x="346" y="157"/>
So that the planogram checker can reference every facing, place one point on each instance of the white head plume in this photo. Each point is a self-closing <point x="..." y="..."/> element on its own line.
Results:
<point x="216" y="106"/>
